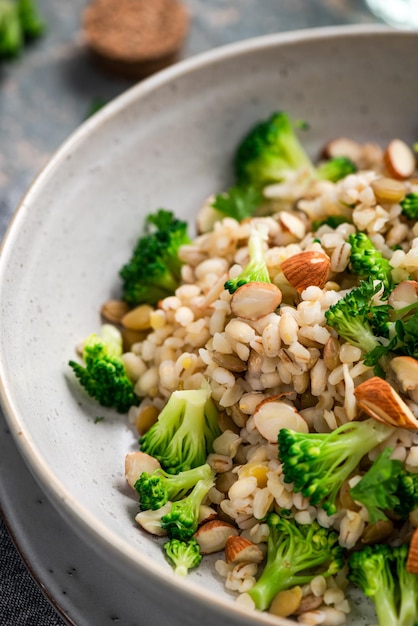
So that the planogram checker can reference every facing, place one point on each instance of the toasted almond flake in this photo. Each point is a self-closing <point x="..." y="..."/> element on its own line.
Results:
<point x="379" y="400"/>
<point x="255" y="300"/>
<point x="292" y="223"/>
<point x="406" y="370"/>
<point x="113" y="311"/>
<point x="399" y="159"/>
<point x="212" y="535"/>
<point x="151" y="520"/>
<point x="412" y="561"/>
<point x="138" y="462"/>
<point x="343" y="147"/>
<point x="404" y="294"/>
<point x="146" y="417"/>
<point x="272" y="415"/>
<point x="241" y="550"/>
<point x="307" y="268"/>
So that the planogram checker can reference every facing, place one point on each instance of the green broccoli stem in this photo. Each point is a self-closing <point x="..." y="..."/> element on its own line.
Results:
<point x="256" y="269"/>
<point x="182" y="520"/>
<point x="318" y="464"/>
<point x="408" y="585"/>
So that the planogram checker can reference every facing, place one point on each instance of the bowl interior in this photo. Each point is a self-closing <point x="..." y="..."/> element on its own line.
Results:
<point x="166" y="143"/>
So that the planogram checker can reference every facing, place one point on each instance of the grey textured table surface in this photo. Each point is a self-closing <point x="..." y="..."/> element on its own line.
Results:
<point x="46" y="94"/>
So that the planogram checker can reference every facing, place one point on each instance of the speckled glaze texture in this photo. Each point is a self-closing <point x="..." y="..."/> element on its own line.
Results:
<point x="166" y="142"/>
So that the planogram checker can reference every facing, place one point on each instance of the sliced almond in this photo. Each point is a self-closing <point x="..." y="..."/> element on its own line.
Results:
<point x="206" y="514"/>
<point x="399" y="159"/>
<point x="255" y="300"/>
<point x="309" y="603"/>
<point x="306" y="268"/>
<point x="404" y="294"/>
<point x="292" y="223"/>
<point x="241" y="550"/>
<point x="343" y="147"/>
<point x="406" y="370"/>
<point x="379" y="400"/>
<point x="113" y="310"/>
<point x="412" y="561"/>
<point x="138" y="318"/>
<point x="212" y="535"/>
<point x="272" y="415"/>
<point x="388" y="189"/>
<point x="151" y="520"/>
<point x="138" y="462"/>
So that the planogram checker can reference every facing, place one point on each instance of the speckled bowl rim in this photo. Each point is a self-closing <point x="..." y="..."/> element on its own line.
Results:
<point x="85" y="523"/>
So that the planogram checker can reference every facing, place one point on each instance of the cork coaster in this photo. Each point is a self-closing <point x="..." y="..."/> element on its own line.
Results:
<point x="135" y="38"/>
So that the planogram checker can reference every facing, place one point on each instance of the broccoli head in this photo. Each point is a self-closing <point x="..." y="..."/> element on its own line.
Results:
<point x="104" y="376"/>
<point x="318" y="463"/>
<point x="410" y="206"/>
<point x="296" y="553"/>
<point x="154" y="269"/>
<point x="182" y="521"/>
<point x="183" y="555"/>
<point x="183" y="435"/>
<point x="367" y="262"/>
<point x="256" y="269"/>
<point x="335" y="169"/>
<point x="19" y="22"/>
<point x="268" y="151"/>
<point x="156" y="489"/>
<point x="380" y="572"/>
<point x="357" y="320"/>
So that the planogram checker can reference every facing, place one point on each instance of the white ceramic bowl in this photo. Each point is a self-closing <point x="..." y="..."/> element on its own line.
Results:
<point x="166" y="142"/>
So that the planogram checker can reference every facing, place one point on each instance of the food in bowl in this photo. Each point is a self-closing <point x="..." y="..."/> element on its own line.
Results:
<point x="270" y="367"/>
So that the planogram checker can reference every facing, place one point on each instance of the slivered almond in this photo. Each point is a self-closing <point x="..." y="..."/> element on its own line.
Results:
<point x="406" y="370"/>
<point x="412" y="560"/>
<point x="255" y="300"/>
<point x="399" y="159"/>
<point x="379" y="400"/>
<point x="404" y="294"/>
<point x="272" y="415"/>
<point x="241" y="550"/>
<point x="114" y="310"/>
<point x="138" y="462"/>
<point x="306" y="268"/>
<point x="343" y="147"/>
<point x="212" y="535"/>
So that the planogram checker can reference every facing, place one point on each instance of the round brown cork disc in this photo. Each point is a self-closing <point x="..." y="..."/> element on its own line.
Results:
<point x="135" y="38"/>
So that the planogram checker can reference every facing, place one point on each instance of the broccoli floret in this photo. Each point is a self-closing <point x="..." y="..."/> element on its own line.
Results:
<point x="182" y="520"/>
<point x="156" y="489"/>
<point x="410" y="206"/>
<point x="256" y="269"/>
<point x="387" y="486"/>
<point x="154" y="270"/>
<point x="183" y="555"/>
<point x="380" y="572"/>
<point x="238" y="202"/>
<point x="335" y="169"/>
<point x="32" y="24"/>
<point x="183" y="435"/>
<point x="318" y="463"/>
<point x="268" y="151"/>
<point x="19" y="21"/>
<point x="367" y="262"/>
<point x="356" y="319"/>
<point x="296" y="553"/>
<point x="104" y="376"/>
